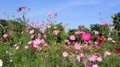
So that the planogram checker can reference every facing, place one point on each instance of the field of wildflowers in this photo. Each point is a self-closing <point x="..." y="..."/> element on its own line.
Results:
<point x="28" y="43"/>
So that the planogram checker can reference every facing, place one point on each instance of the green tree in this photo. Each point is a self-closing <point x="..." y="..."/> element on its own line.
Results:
<point x="116" y="21"/>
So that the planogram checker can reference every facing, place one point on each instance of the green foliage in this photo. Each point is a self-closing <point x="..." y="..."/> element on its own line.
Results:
<point x="104" y="30"/>
<point x="116" y="21"/>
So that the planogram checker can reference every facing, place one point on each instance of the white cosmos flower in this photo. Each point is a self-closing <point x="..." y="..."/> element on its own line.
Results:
<point x="1" y="63"/>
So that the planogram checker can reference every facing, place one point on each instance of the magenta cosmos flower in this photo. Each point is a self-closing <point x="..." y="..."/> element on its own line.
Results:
<point x="86" y="36"/>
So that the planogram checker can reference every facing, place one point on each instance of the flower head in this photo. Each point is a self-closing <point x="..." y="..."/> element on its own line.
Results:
<point x="5" y="35"/>
<point x="65" y="54"/>
<point x="1" y="62"/>
<point x="107" y="53"/>
<point x="21" y="8"/>
<point x="72" y="37"/>
<point x="86" y="36"/>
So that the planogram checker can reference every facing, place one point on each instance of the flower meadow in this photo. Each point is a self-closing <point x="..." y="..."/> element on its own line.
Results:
<point x="34" y="43"/>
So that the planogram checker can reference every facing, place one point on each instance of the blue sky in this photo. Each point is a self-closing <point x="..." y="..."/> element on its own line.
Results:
<point x="72" y="12"/>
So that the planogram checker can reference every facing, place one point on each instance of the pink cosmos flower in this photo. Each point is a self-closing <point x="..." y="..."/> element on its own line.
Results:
<point x="104" y="23"/>
<point x="31" y="32"/>
<point x="34" y="46"/>
<point x="17" y="47"/>
<point x="56" y="32"/>
<point x="113" y="41"/>
<point x="42" y="41"/>
<point x="21" y="8"/>
<point x="55" y="14"/>
<point x="48" y="13"/>
<point x="72" y="37"/>
<point x="30" y="42"/>
<point x="32" y="36"/>
<point x="5" y="35"/>
<point x="49" y="26"/>
<point x="99" y="59"/>
<point x="86" y="36"/>
<point x="95" y="57"/>
<point x="109" y="39"/>
<point x="26" y="47"/>
<point x="77" y="46"/>
<point x="45" y="44"/>
<point x="96" y="32"/>
<point x="95" y="65"/>
<point x="69" y="43"/>
<point x="107" y="53"/>
<point x="110" y="25"/>
<point x="65" y="54"/>
<point x="36" y="42"/>
<point x="77" y="32"/>
<point x="79" y="57"/>
<point x="66" y="41"/>
<point x="92" y="58"/>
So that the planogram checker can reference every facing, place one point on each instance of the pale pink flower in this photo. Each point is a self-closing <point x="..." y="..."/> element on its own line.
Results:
<point x="113" y="41"/>
<point x="5" y="35"/>
<point x="31" y="32"/>
<point x="96" y="32"/>
<point x="65" y="54"/>
<point x="69" y="43"/>
<point x="30" y="42"/>
<point x="36" y="42"/>
<point x="107" y="53"/>
<point x="72" y="37"/>
<point x="32" y="36"/>
<point x="26" y="47"/>
<point x="49" y="26"/>
<point x="95" y="65"/>
<point x="48" y="13"/>
<point x="92" y="58"/>
<point x="86" y="36"/>
<point x="39" y="35"/>
<point x="77" y="32"/>
<point x="45" y="35"/>
<point x="45" y="44"/>
<point x="104" y="23"/>
<point x="56" y="32"/>
<point x="78" y="58"/>
<point x="66" y="41"/>
<point x="17" y="47"/>
<point x="42" y="41"/>
<point x="77" y="46"/>
<point x="96" y="42"/>
<point x="99" y="59"/>
<point x="55" y="27"/>
<point x="109" y="38"/>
